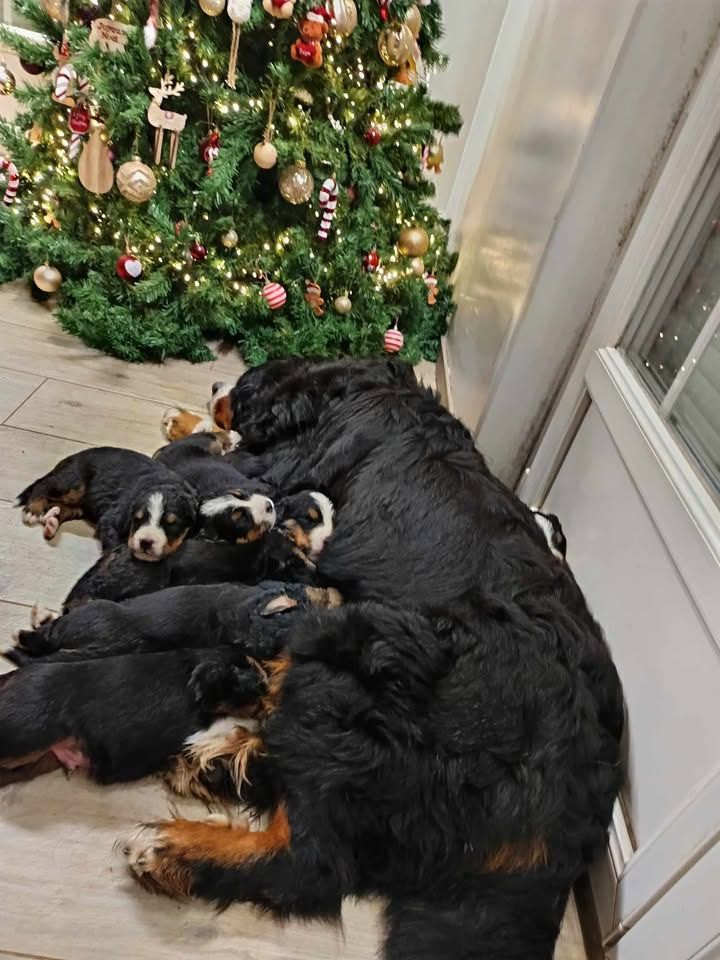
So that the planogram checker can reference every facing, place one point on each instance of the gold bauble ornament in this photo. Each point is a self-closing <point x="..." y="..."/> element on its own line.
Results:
<point x="344" y="17"/>
<point x="229" y="239"/>
<point x="213" y="8"/>
<point x="296" y="183"/>
<point x="435" y="158"/>
<point x="47" y="278"/>
<point x="265" y="155"/>
<point x="54" y="9"/>
<point x="396" y="44"/>
<point x="417" y="265"/>
<point x="413" y="242"/>
<point x="7" y="81"/>
<point x="413" y="18"/>
<point x="136" y="181"/>
<point x="343" y="305"/>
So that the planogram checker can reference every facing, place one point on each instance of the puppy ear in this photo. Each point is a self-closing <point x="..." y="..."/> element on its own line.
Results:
<point x="278" y="605"/>
<point x="222" y="413"/>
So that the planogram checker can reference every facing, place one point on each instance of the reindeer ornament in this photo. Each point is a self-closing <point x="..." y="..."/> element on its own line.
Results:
<point x="164" y="120"/>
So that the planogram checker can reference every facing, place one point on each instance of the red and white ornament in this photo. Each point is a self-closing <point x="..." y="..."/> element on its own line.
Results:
<point x="128" y="267"/>
<point x="275" y="295"/>
<point x="371" y="261"/>
<point x="394" y="340"/>
<point x="384" y="10"/>
<point x="79" y="123"/>
<point x="63" y="79"/>
<point x="13" y="180"/>
<point x="328" y="206"/>
<point x="210" y="149"/>
<point x="282" y="9"/>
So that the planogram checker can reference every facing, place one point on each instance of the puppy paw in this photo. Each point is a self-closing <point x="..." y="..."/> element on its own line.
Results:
<point x="51" y="523"/>
<point x="39" y="616"/>
<point x="31" y="519"/>
<point x="232" y="441"/>
<point x="34" y="643"/>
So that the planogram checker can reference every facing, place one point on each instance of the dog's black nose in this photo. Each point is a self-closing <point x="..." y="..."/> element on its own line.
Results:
<point x="216" y="387"/>
<point x="146" y="546"/>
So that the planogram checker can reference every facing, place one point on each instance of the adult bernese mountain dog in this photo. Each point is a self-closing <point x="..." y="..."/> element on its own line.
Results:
<point x="449" y="739"/>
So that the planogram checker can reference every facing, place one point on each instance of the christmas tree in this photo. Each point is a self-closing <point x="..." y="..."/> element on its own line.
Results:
<point x="256" y="172"/>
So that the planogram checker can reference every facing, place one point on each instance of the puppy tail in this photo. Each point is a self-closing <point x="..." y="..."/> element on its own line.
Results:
<point x="486" y="917"/>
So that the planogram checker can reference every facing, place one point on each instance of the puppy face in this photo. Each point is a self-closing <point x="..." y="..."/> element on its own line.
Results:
<point x="238" y="517"/>
<point x="308" y="520"/>
<point x="220" y="405"/>
<point x="160" y="521"/>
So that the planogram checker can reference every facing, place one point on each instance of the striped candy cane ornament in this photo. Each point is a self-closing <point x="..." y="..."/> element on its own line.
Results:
<point x="328" y="205"/>
<point x="13" y="180"/>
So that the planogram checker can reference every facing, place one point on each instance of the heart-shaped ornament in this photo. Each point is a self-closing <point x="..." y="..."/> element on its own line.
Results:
<point x="128" y="267"/>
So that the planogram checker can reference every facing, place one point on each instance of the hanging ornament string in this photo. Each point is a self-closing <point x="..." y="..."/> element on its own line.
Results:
<point x="265" y="154"/>
<point x="239" y="12"/>
<point x="328" y="205"/>
<point x="13" y="180"/>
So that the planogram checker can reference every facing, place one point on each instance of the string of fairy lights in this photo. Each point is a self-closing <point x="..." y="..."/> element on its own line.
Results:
<point x="245" y="265"/>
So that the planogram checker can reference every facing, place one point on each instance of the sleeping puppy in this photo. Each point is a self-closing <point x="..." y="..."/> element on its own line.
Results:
<point x="118" y="576"/>
<point x="119" y="719"/>
<point x="179" y="617"/>
<point x="232" y="507"/>
<point x="128" y="496"/>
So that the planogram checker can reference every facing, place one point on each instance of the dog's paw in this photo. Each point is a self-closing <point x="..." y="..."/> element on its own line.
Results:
<point x="143" y="850"/>
<point x="51" y="523"/>
<point x="39" y="616"/>
<point x="31" y="519"/>
<point x="34" y="643"/>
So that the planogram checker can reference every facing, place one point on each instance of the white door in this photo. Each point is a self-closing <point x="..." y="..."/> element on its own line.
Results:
<point x="630" y="462"/>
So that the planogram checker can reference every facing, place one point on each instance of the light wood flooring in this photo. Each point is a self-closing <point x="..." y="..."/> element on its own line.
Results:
<point x="64" y="891"/>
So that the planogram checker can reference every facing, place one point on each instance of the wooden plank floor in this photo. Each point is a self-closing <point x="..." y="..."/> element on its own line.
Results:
<point x="64" y="892"/>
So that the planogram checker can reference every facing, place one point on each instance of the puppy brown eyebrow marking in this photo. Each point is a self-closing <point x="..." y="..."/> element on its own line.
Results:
<point x="313" y="514"/>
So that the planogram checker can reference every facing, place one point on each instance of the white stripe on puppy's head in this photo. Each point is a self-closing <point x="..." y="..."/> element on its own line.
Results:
<point x="149" y="540"/>
<point x="319" y="534"/>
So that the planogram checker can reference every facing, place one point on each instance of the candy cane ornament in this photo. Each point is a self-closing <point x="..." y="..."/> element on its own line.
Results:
<point x="65" y="76"/>
<point x="13" y="180"/>
<point x="328" y="205"/>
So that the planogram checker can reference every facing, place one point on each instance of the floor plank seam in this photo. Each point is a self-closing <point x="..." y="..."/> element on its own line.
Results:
<point x="31" y="394"/>
<point x="54" y="436"/>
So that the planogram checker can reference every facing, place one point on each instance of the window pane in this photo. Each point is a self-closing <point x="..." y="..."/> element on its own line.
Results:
<point x="696" y="412"/>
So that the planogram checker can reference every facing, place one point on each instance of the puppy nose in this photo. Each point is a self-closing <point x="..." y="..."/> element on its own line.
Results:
<point x="146" y="545"/>
<point x="269" y="506"/>
<point x="216" y="387"/>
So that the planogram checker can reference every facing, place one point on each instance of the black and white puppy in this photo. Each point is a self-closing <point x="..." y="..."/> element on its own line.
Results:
<point x="550" y="525"/>
<point x="128" y="496"/>
<point x="308" y="520"/>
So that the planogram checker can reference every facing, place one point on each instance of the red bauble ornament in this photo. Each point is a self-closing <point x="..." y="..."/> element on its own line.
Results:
<point x="128" y="267"/>
<point x="275" y="295"/>
<point x="210" y="148"/>
<point x="79" y="121"/>
<point x="384" y="10"/>
<point x="34" y="69"/>
<point x="197" y="251"/>
<point x="371" y="261"/>
<point x="394" y="340"/>
<point x="373" y="135"/>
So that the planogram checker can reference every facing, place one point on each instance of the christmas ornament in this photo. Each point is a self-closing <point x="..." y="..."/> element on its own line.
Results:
<point x="371" y="261"/>
<point x="384" y="10"/>
<point x="328" y="206"/>
<point x="55" y="9"/>
<point x="210" y="149"/>
<point x="47" y="278"/>
<point x="282" y="9"/>
<point x="128" y="267"/>
<point x="35" y="134"/>
<point x="313" y="29"/>
<point x="417" y="265"/>
<point x="396" y="44"/>
<point x="197" y="251"/>
<point x="7" y="80"/>
<point x="303" y="97"/>
<point x="394" y="339"/>
<point x="79" y="123"/>
<point x="406" y="75"/>
<point x="239" y="12"/>
<point x="213" y="8"/>
<point x="314" y="298"/>
<point x="413" y="242"/>
<point x="435" y="158"/>
<point x="95" y="169"/>
<point x="373" y="135"/>
<point x="13" y="180"/>
<point x="296" y="183"/>
<point x="88" y="15"/>
<point x="229" y="239"/>
<point x="265" y="155"/>
<point x="164" y="120"/>
<point x="344" y="17"/>
<point x="343" y="305"/>
<point x="151" y="24"/>
<point x="413" y="19"/>
<point x="109" y="35"/>
<point x="34" y="69"/>
<point x="275" y="295"/>
<point x="63" y="80"/>
<point x="136" y="181"/>
<point x="432" y="288"/>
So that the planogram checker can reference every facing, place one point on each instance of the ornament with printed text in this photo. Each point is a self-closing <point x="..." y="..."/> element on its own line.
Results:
<point x="296" y="183"/>
<point x="343" y="305"/>
<point x="136" y="181"/>
<point x="274" y="295"/>
<point x="210" y="149"/>
<point x="7" y="81"/>
<point x="371" y="261"/>
<point x="413" y="242"/>
<point x="282" y="9"/>
<point x="197" y="251"/>
<point x="373" y="135"/>
<point x="344" y="17"/>
<point x="128" y="267"/>
<point x="396" y="44"/>
<point x="313" y="27"/>
<point x="394" y="339"/>
<point x="229" y="239"/>
<point x="79" y="123"/>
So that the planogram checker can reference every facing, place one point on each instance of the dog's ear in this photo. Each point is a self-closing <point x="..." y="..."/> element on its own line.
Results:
<point x="278" y="605"/>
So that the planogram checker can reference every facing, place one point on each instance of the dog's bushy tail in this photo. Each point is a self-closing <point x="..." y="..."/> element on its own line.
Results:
<point x="490" y="917"/>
